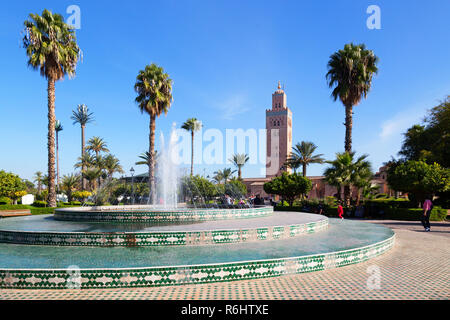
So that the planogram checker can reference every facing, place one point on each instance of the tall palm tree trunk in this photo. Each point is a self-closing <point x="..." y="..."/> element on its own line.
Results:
<point x="51" y="143"/>
<point x="83" y="167"/>
<point x="151" y="164"/>
<point x="348" y="127"/>
<point x="304" y="169"/>
<point x="348" y="144"/>
<point x="347" y="195"/>
<point x="57" y="162"/>
<point x="192" y="154"/>
<point x="239" y="172"/>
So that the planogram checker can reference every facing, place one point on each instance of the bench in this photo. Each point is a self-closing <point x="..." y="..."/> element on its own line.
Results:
<point x="14" y="213"/>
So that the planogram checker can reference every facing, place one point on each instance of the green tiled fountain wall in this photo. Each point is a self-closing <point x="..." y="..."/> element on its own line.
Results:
<point x="187" y="215"/>
<point x="129" y="239"/>
<point x="160" y="276"/>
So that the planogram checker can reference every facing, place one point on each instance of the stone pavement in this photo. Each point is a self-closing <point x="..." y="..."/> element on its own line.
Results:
<point x="416" y="268"/>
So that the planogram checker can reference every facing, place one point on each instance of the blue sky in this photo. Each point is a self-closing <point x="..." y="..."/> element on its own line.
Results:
<point x="225" y="58"/>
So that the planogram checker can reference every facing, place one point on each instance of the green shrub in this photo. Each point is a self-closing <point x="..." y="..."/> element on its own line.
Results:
<point x="74" y="203"/>
<point x="5" y="200"/>
<point x="34" y="210"/>
<point x="13" y="206"/>
<point x="39" y="203"/>
<point x="330" y="201"/>
<point x="41" y="210"/>
<point x="415" y="214"/>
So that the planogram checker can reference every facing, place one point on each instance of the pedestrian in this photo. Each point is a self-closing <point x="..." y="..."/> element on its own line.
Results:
<point x="427" y="207"/>
<point x="340" y="211"/>
<point x="320" y="208"/>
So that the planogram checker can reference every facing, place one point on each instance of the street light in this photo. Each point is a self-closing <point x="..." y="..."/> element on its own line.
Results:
<point x="132" y="185"/>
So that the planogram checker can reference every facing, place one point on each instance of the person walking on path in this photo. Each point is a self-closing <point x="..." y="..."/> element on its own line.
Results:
<point x="427" y="206"/>
<point x="340" y="211"/>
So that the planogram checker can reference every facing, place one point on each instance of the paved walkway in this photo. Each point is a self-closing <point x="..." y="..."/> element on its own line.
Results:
<point x="416" y="268"/>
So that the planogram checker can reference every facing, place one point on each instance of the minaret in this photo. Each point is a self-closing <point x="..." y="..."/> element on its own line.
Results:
<point x="279" y="134"/>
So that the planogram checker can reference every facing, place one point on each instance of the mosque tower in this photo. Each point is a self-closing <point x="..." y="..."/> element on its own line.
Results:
<point x="279" y="134"/>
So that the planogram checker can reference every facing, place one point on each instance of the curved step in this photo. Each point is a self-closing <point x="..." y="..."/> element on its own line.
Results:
<point x="345" y="242"/>
<point x="139" y="214"/>
<point x="44" y="230"/>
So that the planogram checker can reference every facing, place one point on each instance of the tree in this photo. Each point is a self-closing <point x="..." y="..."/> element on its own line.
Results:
<point x="69" y="184"/>
<point x="97" y="145"/>
<point x="288" y="186"/>
<point x="223" y="175"/>
<point x="350" y="72"/>
<point x="361" y="176"/>
<point x="235" y="188"/>
<point x="83" y="117"/>
<point x="39" y="179"/>
<point x="85" y="161"/>
<point x="346" y="171"/>
<point x="430" y="142"/>
<point x="199" y="187"/>
<point x="112" y="165"/>
<point x="51" y="47"/>
<point x="192" y="125"/>
<point x="239" y="160"/>
<point x="154" y="89"/>
<point x="418" y="179"/>
<point x="92" y="175"/>
<point x="11" y="185"/>
<point x="302" y="155"/>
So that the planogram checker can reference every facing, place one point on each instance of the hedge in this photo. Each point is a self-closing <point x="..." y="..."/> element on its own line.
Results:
<point x="392" y="213"/>
<point x="34" y="210"/>
<point x="415" y="214"/>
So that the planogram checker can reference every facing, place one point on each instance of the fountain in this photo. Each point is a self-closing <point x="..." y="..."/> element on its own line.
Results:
<point x="167" y="244"/>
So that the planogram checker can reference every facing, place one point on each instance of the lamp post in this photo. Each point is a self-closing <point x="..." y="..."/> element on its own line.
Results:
<point x="132" y="185"/>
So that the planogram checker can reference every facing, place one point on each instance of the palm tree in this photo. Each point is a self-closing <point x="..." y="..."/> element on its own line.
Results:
<point x="154" y="89"/>
<point x="58" y="128"/>
<point x="223" y="175"/>
<point x="39" y="179"/>
<point x="350" y="72"/>
<point x="145" y="156"/>
<point x="69" y="183"/>
<point x="192" y="125"/>
<point x="345" y="171"/>
<point x="112" y="165"/>
<point x="85" y="161"/>
<point x="92" y="175"/>
<point x="97" y="145"/>
<point x="361" y="175"/>
<point x="83" y="117"/>
<point x="51" y="47"/>
<point x="239" y="160"/>
<point x="302" y="155"/>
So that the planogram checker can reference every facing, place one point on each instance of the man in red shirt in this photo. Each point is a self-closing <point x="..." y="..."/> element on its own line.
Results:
<point x="340" y="211"/>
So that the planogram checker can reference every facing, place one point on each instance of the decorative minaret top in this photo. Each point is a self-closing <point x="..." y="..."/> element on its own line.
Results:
<point x="279" y="99"/>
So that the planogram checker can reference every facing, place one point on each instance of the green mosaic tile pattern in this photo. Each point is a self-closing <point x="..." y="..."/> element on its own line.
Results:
<point x="158" y="276"/>
<point x="402" y="278"/>
<point x="179" y="238"/>
<point x="161" y="216"/>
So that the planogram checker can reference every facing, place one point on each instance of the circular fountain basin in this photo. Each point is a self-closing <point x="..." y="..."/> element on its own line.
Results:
<point x="148" y="213"/>
<point x="45" y="230"/>
<point x="345" y="242"/>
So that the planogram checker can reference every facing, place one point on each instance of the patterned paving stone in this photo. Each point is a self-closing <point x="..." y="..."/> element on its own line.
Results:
<point x="416" y="268"/>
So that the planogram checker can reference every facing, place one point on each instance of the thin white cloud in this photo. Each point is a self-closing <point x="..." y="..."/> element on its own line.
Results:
<point x="232" y="106"/>
<point x="400" y="123"/>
